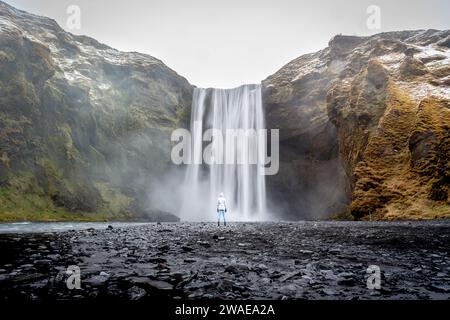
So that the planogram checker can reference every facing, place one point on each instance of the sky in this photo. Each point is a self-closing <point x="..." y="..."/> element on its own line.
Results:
<point x="227" y="43"/>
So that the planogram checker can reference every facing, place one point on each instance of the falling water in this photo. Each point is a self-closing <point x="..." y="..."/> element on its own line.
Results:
<point x="242" y="184"/>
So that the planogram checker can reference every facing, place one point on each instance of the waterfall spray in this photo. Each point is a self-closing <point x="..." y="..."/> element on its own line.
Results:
<point x="243" y="186"/>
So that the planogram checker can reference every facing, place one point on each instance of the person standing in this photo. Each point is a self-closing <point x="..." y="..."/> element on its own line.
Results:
<point x="221" y="208"/>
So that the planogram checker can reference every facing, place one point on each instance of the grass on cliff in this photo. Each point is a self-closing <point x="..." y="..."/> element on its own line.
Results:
<point x="24" y="200"/>
<point x="421" y="209"/>
<point x="390" y="185"/>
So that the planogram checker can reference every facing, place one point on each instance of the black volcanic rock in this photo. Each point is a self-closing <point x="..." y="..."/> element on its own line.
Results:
<point x="318" y="260"/>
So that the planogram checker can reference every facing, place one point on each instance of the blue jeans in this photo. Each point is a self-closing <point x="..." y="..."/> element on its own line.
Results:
<point x="221" y="213"/>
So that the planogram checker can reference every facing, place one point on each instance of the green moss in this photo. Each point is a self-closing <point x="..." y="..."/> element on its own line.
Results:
<point x="183" y="115"/>
<point x="6" y="57"/>
<point x="100" y="158"/>
<point x="49" y="168"/>
<point x="116" y="202"/>
<point x="441" y="211"/>
<point x="343" y="216"/>
<point x="66" y="136"/>
<point x="4" y="159"/>
<point x="24" y="200"/>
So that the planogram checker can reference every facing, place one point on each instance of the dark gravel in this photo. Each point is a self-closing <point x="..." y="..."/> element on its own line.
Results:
<point x="304" y="260"/>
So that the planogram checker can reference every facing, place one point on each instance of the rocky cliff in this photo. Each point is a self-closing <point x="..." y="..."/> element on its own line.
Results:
<point x="368" y="116"/>
<point x="84" y="128"/>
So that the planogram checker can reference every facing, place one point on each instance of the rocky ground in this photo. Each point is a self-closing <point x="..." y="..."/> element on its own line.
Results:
<point x="304" y="260"/>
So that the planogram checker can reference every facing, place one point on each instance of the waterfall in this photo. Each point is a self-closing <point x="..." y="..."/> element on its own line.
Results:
<point x="242" y="184"/>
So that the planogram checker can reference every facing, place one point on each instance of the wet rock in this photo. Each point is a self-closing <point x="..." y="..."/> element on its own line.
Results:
<point x="346" y="279"/>
<point x="261" y="266"/>
<point x="237" y="268"/>
<point x="231" y="269"/>
<point x="96" y="281"/>
<point x="26" y="266"/>
<point x="288" y="289"/>
<point x="157" y="260"/>
<point x="175" y="277"/>
<point x="42" y="263"/>
<point x="329" y="292"/>
<point x="203" y="243"/>
<point x="165" y="230"/>
<point x="225" y="285"/>
<point x="346" y="275"/>
<point x="150" y="284"/>
<point x="385" y="291"/>
<point x="443" y="288"/>
<point x="136" y="293"/>
<point x="195" y="295"/>
<point x="266" y="280"/>
<point x="346" y="282"/>
<point x="115" y="263"/>
<point x="238" y="288"/>
<point x="25" y="278"/>
<point x="54" y="257"/>
<point x="328" y="274"/>
<point x="289" y="275"/>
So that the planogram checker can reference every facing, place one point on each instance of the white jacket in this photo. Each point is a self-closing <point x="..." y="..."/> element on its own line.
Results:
<point x="221" y="203"/>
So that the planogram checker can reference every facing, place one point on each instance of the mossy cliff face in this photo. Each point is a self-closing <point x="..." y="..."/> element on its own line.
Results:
<point x="387" y="97"/>
<point x="84" y="128"/>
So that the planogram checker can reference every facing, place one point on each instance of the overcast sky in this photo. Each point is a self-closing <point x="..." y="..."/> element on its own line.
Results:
<point x="231" y="42"/>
